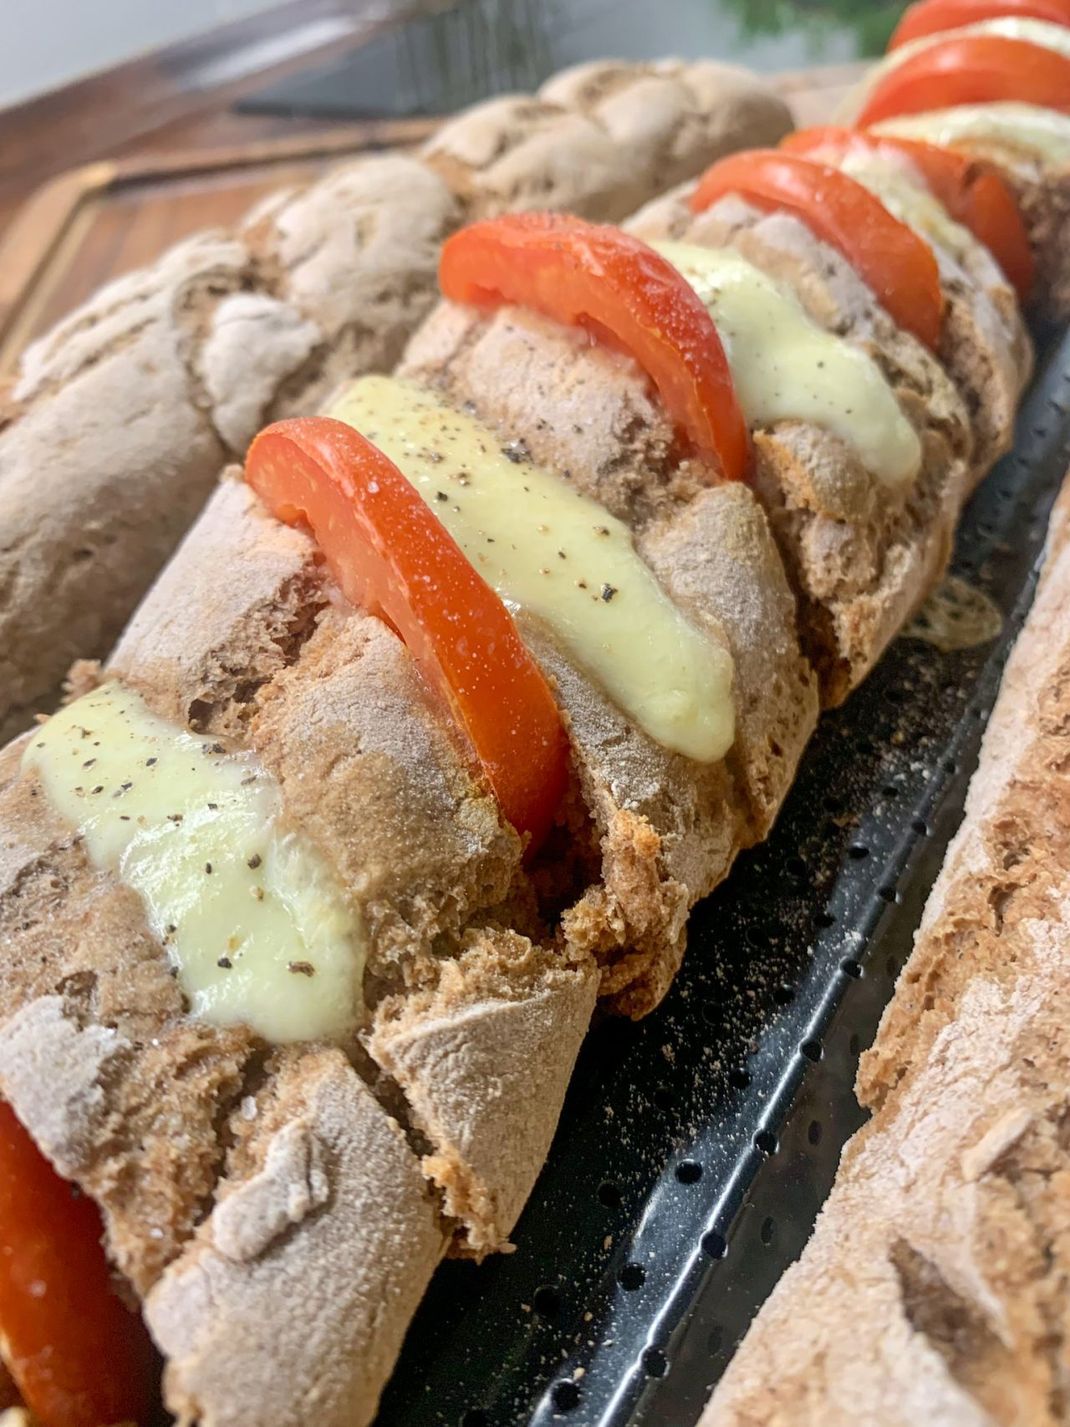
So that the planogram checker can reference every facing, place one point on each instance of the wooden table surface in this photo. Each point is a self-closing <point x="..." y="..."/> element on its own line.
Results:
<point x="101" y="177"/>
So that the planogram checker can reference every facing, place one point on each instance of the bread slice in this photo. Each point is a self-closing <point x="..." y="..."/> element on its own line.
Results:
<point x="119" y="420"/>
<point x="1042" y="187"/>
<point x="667" y="828"/>
<point x="935" y="1285"/>
<point x="1044" y="196"/>
<point x="860" y="562"/>
<point x="985" y="347"/>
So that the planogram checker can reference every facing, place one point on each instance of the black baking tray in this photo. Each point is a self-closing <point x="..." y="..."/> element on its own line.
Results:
<point x="696" y="1147"/>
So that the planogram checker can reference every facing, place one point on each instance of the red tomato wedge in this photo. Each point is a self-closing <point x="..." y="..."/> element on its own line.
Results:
<point x="934" y="17"/>
<point x="393" y="558"/>
<point x="970" y="69"/>
<point x="889" y="257"/>
<point x="79" y="1356"/>
<point x="599" y="278"/>
<point x="973" y="192"/>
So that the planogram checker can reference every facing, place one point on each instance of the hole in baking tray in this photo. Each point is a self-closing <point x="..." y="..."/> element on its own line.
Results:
<point x="854" y="1045"/>
<point x="813" y="1133"/>
<point x="812" y="1050"/>
<point x="688" y="1171"/>
<point x="655" y="1362"/>
<point x="864" y="746"/>
<point x="783" y="994"/>
<point x="796" y="867"/>
<point x="950" y="766"/>
<point x="547" y="1301"/>
<point x="715" y="1339"/>
<point x="663" y="1097"/>
<point x="765" y="1140"/>
<point x="850" y="967"/>
<point x="714" y="1245"/>
<point x="609" y="1194"/>
<point x="757" y="938"/>
<point x="739" y="1078"/>
<point x="890" y="791"/>
<point x="834" y="805"/>
<point x="566" y="1396"/>
<point x="921" y="827"/>
<point x="888" y="894"/>
<point x="857" y="851"/>
<point x="767" y="1233"/>
<point x="632" y="1277"/>
<point x="825" y="920"/>
<point x="713" y="1013"/>
<point x="475" y="1417"/>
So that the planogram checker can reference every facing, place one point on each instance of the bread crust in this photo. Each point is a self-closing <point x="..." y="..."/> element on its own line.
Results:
<point x="935" y="1285"/>
<point x="333" y="1213"/>
<point x="120" y="419"/>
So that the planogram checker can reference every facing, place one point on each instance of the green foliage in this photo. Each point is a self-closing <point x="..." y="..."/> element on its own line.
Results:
<point x="871" y="21"/>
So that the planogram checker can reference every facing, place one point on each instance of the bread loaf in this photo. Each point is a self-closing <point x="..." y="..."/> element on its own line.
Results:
<point x="934" y="1288"/>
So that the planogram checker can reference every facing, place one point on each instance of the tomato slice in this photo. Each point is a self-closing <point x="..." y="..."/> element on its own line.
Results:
<point x="970" y="69"/>
<point x="934" y="17"/>
<point x="617" y="287"/>
<point x="393" y="558"/>
<point x="890" y="257"/>
<point x="79" y="1356"/>
<point x="973" y="192"/>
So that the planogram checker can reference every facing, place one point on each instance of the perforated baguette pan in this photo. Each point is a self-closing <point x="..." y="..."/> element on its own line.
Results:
<point x="696" y="1147"/>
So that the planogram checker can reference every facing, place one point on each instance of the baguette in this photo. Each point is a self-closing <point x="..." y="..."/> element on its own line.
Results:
<point x="935" y="1285"/>
<point x="119" y="420"/>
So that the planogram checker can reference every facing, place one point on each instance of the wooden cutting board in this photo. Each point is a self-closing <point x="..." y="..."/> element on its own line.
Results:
<point x="96" y="222"/>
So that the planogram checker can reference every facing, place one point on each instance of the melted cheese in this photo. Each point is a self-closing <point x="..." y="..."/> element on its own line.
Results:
<point x="251" y="916"/>
<point x="1041" y="133"/>
<point x="908" y="199"/>
<point x="550" y="550"/>
<point x="785" y="367"/>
